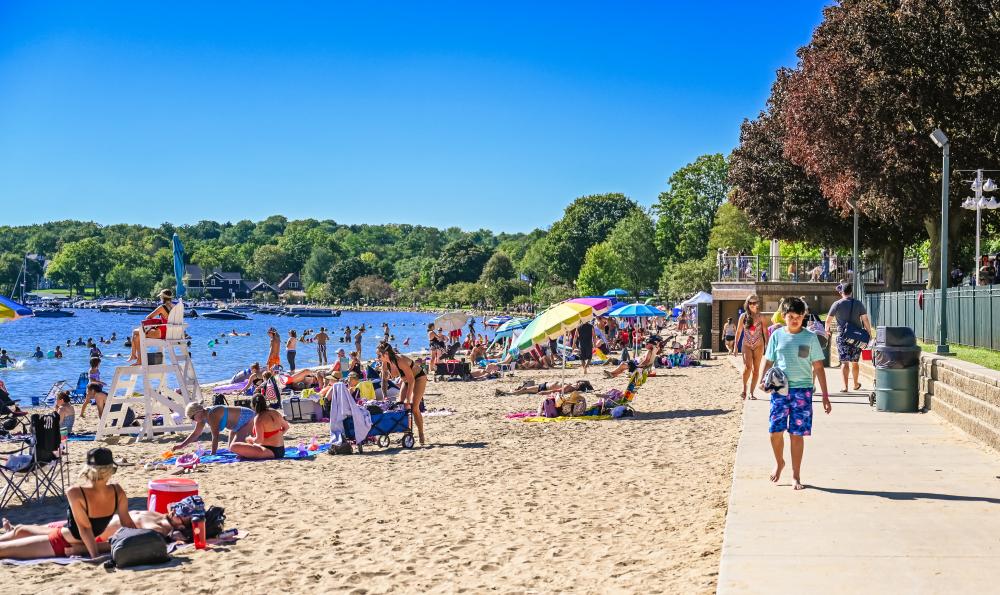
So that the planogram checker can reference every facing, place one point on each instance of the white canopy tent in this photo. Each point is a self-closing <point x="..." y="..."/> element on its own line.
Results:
<point x="699" y="298"/>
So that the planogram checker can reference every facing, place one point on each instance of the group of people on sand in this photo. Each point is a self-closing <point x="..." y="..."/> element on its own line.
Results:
<point x="97" y="509"/>
<point x="791" y="351"/>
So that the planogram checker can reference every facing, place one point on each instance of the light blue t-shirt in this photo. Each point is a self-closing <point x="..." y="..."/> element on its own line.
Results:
<point x="794" y="355"/>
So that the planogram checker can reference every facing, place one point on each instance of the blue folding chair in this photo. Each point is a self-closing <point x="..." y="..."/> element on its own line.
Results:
<point x="78" y="394"/>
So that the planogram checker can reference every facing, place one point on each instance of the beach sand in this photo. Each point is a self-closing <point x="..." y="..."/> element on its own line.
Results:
<point x="493" y="505"/>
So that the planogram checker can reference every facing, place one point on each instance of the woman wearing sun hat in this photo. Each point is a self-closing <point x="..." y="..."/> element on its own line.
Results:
<point x="92" y="505"/>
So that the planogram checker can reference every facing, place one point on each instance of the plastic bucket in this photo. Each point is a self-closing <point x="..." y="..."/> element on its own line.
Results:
<point x="36" y="401"/>
<point x="163" y="492"/>
<point x="866" y="355"/>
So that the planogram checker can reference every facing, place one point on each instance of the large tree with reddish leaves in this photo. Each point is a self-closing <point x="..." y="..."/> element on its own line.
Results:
<point x="876" y="78"/>
<point x="779" y="199"/>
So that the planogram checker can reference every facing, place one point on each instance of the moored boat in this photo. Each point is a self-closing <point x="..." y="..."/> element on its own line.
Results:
<point x="224" y="314"/>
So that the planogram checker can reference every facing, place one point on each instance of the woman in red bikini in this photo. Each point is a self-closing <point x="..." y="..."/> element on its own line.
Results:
<point x="92" y="505"/>
<point x="268" y="438"/>
<point x="161" y="313"/>
<point x="752" y="328"/>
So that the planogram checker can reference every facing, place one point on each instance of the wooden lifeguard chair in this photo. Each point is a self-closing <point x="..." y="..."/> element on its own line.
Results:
<point x="168" y="382"/>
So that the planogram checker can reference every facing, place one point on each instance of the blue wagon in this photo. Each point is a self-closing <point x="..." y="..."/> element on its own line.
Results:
<point x="383" y="425"/>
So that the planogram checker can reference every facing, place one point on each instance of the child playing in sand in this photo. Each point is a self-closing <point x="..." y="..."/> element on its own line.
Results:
<point x="796" y="352"/>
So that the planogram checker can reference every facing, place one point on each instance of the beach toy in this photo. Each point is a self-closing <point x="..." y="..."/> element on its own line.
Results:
<point x="314" y="445"/>
<point x="167" y="454"/>
<point x="164" y="492"/>
<point x="188" y="461"/>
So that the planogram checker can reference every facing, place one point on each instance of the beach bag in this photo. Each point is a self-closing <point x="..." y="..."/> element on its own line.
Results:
<point x="573" y="405"/>
<point x="137" y="547"/>
<point x="219" y="400"/>
<point x="854" y="335"/>
<point x="548" y="408"/>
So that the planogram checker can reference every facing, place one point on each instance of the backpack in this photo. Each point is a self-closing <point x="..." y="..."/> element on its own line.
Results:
<point x="136" y="547"/>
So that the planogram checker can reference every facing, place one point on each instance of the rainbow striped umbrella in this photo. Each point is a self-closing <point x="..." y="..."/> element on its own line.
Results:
<point x="554" y="322"/>
<point x="11" y="310"/>
<point x="599" y="304"/>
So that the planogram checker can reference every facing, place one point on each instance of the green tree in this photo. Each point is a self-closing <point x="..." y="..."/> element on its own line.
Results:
<point x="84" y="260"/>
<point x="587" y="221"/>
<point x="731" y="231"/>
<point x="130" y="281"/>
<point x="318" y="266"/>
<point x="602" y="270"/>
<point x="684" y="279"/>
<point x="370" y="288"/>
<point x="460" y="260"/>
<point x="687" y="210"/>
<point x="498" y="268"/>
<point x="633" y="241"/>
<point x="10" y="266"/>
<point x="345" y="271"/>
<point x="269" y="263"/>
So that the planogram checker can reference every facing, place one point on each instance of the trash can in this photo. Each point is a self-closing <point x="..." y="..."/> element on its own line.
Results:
<point x="896" y="357"/>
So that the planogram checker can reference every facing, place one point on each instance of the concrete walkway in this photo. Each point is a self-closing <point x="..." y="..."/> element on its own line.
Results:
<point x="894" y="503"/>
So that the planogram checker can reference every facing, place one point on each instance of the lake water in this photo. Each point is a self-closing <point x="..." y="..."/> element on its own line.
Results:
<point x="33" y="377"/>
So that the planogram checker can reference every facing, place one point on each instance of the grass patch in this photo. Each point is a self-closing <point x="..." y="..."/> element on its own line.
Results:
<point x="974" y="355"/>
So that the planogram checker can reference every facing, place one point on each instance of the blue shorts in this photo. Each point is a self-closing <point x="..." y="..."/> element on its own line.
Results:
<point x="793" y="413"/>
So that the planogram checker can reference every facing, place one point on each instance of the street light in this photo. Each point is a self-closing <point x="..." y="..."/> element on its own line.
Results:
<point x="941" y="140"/>
<point x="978" y="203"/>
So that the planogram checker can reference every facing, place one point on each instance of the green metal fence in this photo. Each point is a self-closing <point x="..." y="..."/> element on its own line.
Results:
<point x="973" y="314"/>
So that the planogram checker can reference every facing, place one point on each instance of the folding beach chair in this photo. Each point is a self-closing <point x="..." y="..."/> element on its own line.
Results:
<point x="36" y="468"/>
<point x="50" y="397"/>
<point x="78" y="394"/>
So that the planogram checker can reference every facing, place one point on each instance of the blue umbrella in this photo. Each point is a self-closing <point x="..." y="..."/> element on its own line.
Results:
<point x="615" y="292"/>
<point x="179" y="265"/>
<point x="635" y="311"/>
<point x="498" y="320"/>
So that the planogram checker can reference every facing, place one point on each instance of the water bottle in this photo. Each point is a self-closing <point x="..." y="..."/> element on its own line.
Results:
<point x="198" y="530"/>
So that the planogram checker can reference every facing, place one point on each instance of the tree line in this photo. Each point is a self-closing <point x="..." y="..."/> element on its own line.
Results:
<point x="601" y="242"/>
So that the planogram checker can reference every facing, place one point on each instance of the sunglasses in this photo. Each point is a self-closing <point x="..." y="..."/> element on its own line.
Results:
<point x="751" y="303"/>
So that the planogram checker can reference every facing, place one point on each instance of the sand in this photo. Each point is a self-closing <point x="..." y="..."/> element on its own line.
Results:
<point x="493" y="505"/>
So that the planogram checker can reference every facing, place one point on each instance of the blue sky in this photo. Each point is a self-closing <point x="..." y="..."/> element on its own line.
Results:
<point x="447" y="113"/>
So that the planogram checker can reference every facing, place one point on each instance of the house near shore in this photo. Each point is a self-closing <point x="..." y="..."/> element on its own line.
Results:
<point x="222" y="285"/>
<point x="291" y="282"/>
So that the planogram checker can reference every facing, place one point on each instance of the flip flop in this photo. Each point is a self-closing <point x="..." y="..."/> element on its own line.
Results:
<point x="857" y="387"/>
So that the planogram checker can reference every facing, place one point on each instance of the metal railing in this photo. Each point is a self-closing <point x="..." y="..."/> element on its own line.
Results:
<point x="792" y="270"/>
<point x="914" y="272"/>
<point x="973" y="314"/>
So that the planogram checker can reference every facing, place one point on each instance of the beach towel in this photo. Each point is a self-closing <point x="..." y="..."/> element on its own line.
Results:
<point x="564" y="418"/>
<point x="224" y="456"/>
<point x="231" y="388"/>
<point x="66" y="560"/>
<point x="342" y="406"/>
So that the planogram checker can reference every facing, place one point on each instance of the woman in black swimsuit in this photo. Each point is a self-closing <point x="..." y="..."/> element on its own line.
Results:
<point x="412" y="377"/>
<point x="91" y="507"/>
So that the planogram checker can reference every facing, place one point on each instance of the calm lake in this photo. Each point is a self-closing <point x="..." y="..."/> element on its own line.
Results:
<point x="33" y="377"/>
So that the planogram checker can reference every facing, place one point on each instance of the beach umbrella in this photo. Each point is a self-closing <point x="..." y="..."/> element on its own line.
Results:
<point x="599" y="304"/>
<point x="497" y="320"/>
<point x="635" y="311"/>
<point x="507" y="329"/>
<point x="11" y="310"/>
<point x="554" y="322"/>
<point x="617" y="292"/>
<point x="451" y="321"/>
<point x="179" y="265"/>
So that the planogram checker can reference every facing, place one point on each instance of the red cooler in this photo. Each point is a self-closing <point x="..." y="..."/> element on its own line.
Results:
<point x="163" y="492"/>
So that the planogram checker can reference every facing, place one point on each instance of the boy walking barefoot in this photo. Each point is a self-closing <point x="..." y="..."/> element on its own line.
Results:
<point x="795" y="351"/>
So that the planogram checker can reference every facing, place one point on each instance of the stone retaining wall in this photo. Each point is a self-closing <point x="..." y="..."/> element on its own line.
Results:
<point x="966" y="395"/>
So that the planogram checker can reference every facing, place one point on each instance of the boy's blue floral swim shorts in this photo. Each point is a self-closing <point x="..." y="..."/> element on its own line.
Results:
<point x="793" y="413"/>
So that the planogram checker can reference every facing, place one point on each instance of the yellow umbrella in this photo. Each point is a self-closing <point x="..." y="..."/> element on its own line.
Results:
<point x="554" y="322"/>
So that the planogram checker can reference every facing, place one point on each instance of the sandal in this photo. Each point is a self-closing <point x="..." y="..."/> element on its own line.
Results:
<point x="857" y="387"/>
